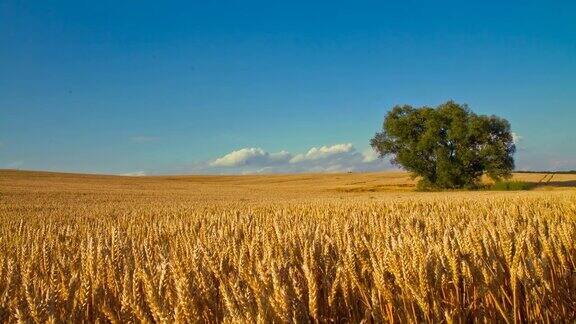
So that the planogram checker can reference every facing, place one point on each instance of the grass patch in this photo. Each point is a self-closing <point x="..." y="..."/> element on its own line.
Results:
<point x="512" y="186"/>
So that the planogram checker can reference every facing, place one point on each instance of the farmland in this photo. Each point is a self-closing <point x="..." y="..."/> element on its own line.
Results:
<point x="283" y="248"/>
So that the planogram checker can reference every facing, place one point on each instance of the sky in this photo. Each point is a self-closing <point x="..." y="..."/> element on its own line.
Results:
<point x="175" y="87"/>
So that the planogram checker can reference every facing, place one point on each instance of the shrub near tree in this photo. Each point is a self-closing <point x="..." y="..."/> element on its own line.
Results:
<point x="448" y="146"/>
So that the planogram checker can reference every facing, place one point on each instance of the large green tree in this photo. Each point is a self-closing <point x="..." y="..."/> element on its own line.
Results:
<point x="448" y="146"/>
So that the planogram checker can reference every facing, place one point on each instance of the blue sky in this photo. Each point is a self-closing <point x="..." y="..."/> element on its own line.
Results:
<point x="175" y="86"/>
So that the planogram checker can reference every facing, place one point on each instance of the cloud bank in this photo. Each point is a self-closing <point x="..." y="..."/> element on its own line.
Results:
<point x="333" y="158"/>
<point x="134" y="174"/>
<point x="251" y="157"/>
<point x="516" y="138"/>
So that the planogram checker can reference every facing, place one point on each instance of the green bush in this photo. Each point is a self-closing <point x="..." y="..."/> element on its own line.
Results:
<point x="512" y="185"/>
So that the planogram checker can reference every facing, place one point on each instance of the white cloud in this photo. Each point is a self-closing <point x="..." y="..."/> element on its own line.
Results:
<point x="134" y="174"/>
<point x="369" y="155"/>
<point x="251" y="157"/>
<point x="323" y="152"/>
<point x="516" y="138"/>
<point x="334" y="158"/>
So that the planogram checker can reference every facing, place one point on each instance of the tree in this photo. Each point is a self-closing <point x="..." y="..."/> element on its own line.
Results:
<point x="448" y="146"/>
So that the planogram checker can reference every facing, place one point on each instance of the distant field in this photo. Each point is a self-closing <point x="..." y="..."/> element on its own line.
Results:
<point x="240" y="187"/>
<point x="283" y="248"/>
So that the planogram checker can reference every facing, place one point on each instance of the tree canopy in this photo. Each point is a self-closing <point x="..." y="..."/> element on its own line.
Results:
<point x="448" y="146"/>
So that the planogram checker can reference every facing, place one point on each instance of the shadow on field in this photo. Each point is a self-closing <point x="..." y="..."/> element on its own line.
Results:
<point x="524" y="185"/>
<point x="568" y="183"/>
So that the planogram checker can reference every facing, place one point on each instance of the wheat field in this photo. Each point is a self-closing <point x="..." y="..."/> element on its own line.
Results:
<point x="286" y="248"/>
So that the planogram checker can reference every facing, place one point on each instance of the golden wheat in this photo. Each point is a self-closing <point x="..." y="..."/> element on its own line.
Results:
<point x="105" y="249"/>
